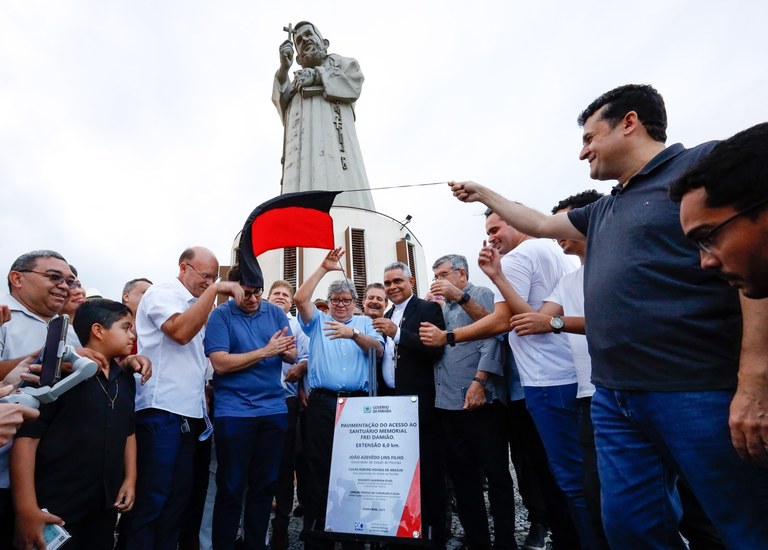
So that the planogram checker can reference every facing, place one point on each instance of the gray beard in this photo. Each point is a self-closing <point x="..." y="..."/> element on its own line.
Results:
<point x="312" y="59"/>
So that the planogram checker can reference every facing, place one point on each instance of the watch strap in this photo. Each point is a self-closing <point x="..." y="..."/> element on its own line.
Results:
<point x="450" y="337"/>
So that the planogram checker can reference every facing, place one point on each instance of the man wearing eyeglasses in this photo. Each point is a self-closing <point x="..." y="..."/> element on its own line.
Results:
<point x="338" y="367"/>
<point x="663" y="335"/>
<point x="723" y="204"/>
<point x="39" y="285"/>
<point x="247" y="341"/>
<point x="170" y="325"/>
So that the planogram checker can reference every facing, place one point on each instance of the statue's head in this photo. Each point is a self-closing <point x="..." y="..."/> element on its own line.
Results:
<point x="311" y="47"/>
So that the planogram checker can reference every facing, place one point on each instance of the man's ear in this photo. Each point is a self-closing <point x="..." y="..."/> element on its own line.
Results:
<point x="14" y="277"/>
<point x="326" y="42"/>
<point x="630" y="122"/>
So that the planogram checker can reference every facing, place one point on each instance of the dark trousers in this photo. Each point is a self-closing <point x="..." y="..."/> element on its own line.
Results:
<point x="477" y="440"/>
<point x="319" y="418"/>
<point x="434" y="497"/>
<point x="284" y="487"/>
<point x="96" y="532"/>
<point x="189" y="538"/>
<point x="542" y="497"/>
<point x="7" y="519"/>
<point x="164" y="463"/>
<point x="248" y="452"/>
<point x="591" y="477"/>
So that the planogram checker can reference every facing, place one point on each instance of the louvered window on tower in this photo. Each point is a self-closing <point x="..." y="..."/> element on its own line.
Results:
<point x="356" y="260"/>
<point x="406" y="254"/>
<point x="291" y="270"/>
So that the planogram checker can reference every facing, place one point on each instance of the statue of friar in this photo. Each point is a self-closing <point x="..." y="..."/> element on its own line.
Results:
<point x="320" y="150"/>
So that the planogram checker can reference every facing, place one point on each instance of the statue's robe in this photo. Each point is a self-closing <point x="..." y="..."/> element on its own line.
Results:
<point x="321" y="151"/>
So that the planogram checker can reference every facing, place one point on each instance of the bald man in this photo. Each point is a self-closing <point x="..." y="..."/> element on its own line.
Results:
<point x="169" y="323"/>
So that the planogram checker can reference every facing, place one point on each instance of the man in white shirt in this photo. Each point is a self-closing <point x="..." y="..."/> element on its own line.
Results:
<point x="529" y="270"/>
<point x="170" y="325"/>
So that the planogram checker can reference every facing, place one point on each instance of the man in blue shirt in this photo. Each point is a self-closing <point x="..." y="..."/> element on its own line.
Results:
<point x="338" y="367"/>
<point x="247" y="341"/>
<point x="723" y="204"/>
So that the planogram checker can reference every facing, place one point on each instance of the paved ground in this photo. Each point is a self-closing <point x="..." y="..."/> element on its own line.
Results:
<point x="455" y="542"/>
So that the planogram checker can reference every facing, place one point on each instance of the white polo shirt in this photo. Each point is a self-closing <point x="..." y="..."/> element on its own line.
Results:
<point x="533" y="269"/>
<point x="178" y="371"/>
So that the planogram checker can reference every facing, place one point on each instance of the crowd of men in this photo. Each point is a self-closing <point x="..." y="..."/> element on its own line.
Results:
<point x="628" y="392"/>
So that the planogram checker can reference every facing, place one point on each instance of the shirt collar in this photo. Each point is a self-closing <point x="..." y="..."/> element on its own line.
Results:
<point x="236" y="310"/>
<point x="402" y="305"/>
<point x="14" y="305"/>
<point x="661" y="158"/>
<point x="184" y="290"/>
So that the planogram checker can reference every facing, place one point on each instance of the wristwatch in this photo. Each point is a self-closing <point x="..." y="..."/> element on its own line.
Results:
<point x="557" y="324"/>
<point x="481" y="381"/>
<point x="464" y="299"/>
<point x="450" y="337"/>
<point x="355" y="332"/>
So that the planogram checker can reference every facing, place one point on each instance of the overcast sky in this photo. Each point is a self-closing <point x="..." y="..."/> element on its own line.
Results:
<point x="130" y="130"/>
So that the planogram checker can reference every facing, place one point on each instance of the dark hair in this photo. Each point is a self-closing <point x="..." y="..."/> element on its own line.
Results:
<point x="641" y="98"/>
<point x="734" y="173"/>
<point x="97" y="311"/>
<point x="578" y="200"/>
<point x="234" y="274"/>
<point x="28" y="261"/>
<point x="132" y="283"/>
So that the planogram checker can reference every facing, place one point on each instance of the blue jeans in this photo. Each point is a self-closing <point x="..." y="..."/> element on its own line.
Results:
<point x="248" y="451"/>
<point x="645" y="440"/>
<point x="557" y="415"/>
<point x="165" y="457"/>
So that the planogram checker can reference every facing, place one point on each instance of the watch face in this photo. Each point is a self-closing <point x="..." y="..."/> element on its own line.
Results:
<point x="557" y="323"/>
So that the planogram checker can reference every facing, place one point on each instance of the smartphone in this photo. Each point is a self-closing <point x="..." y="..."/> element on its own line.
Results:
<point x="50" y="358"/>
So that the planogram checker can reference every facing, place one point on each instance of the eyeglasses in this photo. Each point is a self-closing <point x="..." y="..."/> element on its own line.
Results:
<point x="55" y="278"/>
<point x="251" y="293"/>
<point x="205" y="276"/>
<point x="443" y="275"/>
<point x="706" y="241"/>
<point x="341" y="301"/>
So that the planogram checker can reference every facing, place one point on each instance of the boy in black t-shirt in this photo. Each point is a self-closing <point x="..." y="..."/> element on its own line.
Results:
<point x="78" y="459"/>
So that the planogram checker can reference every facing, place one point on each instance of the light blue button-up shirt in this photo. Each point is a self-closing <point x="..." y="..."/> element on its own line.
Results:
<point x="340" y="364"/>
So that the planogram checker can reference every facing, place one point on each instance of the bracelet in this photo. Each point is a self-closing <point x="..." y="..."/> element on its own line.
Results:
<point x="481" y="381"/>
<point x="464" y="299"/>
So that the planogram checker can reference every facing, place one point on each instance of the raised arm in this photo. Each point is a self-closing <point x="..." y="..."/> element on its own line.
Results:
<point x="303" y="296"/>
<point x="182" y="327"/>
<point x="489" y="261"/>
<point x="524" y="219"/>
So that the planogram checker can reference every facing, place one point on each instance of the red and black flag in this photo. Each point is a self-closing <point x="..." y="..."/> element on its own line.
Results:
<point x="293" y="219"/>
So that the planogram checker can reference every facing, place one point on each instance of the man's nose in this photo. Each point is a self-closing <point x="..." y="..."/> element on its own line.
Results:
<point x="708" y="260"/>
